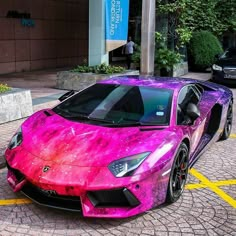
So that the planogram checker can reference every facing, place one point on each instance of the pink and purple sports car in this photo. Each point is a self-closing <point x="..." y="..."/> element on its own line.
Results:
<point x="119" y="147"/>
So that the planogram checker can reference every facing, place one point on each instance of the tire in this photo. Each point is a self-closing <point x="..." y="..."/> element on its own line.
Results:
<point x="178" y="174"/>
<point x="228" y="123"/>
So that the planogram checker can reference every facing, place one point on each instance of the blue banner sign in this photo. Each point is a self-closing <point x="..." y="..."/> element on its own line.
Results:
<point x="117" y="16"/>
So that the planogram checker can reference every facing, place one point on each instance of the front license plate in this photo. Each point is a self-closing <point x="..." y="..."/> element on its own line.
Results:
<point x="230" y="76"/>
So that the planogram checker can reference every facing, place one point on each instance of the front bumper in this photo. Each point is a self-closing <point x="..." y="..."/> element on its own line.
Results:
<point x="220" y="77"/>
<point x="93" y="191"/>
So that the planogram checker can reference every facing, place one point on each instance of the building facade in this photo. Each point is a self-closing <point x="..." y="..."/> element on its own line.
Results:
<point x="40" y="34"/>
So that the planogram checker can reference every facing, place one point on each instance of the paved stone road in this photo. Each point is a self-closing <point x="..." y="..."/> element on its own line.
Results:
<point x="199" y="212"/>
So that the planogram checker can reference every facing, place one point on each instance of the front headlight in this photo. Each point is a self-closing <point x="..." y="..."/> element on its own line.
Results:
<point x="216" y="67"/>
<point x="126" y="166"/>
<point x="16" y="139"/>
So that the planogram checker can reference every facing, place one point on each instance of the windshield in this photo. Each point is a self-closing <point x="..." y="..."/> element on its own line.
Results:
<point x="229" y="54"/>
<point x="118" y="104"/>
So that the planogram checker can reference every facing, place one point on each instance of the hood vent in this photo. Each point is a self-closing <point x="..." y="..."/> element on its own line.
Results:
<point x="151" y="129"/>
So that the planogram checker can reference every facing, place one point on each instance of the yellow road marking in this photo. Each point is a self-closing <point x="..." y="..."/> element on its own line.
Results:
<point x="213" y="187"/>
<point x="225" y="182"/>
<point x="18" y="201"/>
<point x="232" y="136"/>
<point x="205" y="183"/>
<point x="195" y="186"/>
<point x="217" y="183"/>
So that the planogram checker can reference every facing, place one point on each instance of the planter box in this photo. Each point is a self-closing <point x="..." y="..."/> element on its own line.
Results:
<point x="177" y="71"/>
<point x="180" y="69"/>
<point x="77" y="81"/>
<point x="15" y="104"/>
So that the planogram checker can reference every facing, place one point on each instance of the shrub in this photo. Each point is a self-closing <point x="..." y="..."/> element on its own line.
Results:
<point x="107" y="69"/>
<point x="100" y="69"/>
<point x="203" y="48"/>
<point x="165" y="58"/>
<point x="82" y="69"/>
<point x="4" y="88"/>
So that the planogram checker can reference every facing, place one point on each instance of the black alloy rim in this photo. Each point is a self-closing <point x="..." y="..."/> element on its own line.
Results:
<point x="229" y="120"/>
<point x="180" y="172"/>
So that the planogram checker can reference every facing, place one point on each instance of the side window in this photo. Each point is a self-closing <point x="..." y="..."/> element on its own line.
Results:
<point x="198" y="90"/>
<point x="188" y="94"/>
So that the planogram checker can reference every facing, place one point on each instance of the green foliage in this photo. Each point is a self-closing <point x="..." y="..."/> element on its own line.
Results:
<point x="225" y="10"/>
<point x="100" y="69"/>
<point x="204" y="46"/>
<point x="137" y="54"/>
<point x="83" y="69"/>
<point x="184" y="35"/>
<point x="178" y="10"/>
<point x="4" y="88"/>
<point x="107" y="69"/>
<point x="197" y="15"/>
<point x="164" y="57"/>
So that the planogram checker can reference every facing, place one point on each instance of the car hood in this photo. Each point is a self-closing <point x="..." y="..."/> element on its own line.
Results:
<point x="53" y="138"/>
<point x="227" y="62"/>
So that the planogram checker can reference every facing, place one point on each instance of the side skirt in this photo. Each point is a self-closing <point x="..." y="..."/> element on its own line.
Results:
<point x="205" y="143"/>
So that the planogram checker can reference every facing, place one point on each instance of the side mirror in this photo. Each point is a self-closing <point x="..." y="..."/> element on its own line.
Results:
<point x="66" y="95"/>
<point x="193" y="111"/>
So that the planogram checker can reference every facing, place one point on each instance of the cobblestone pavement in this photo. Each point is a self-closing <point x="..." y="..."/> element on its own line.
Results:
<point x="202" y="210"/>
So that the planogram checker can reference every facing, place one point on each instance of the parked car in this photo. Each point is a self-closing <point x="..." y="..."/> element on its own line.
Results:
<point x="224" y="70"/>
<point x="119" y="147"/>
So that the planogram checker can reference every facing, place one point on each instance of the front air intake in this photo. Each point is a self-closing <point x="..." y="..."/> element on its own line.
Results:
<point x="113" y="198"/>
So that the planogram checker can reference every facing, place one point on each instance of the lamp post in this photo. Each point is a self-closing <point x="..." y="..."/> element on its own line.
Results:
<point x="148" y="36"/>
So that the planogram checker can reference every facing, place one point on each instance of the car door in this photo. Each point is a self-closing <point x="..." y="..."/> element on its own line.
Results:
<point x="191" y="94"/>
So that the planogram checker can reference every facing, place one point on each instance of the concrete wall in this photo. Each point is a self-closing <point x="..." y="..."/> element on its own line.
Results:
<point x="15" y="104"/>
<point x="77" y="81"/>
<point x="59" y="37"/>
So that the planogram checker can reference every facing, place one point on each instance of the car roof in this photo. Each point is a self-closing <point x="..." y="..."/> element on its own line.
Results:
<point x="149" y="81"/>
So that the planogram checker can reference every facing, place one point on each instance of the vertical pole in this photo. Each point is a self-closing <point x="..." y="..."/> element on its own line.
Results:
<point x="148" y="37"/>
<point x="97" y="50"/>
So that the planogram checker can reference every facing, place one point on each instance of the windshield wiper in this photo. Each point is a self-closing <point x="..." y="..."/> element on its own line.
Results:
<point x="138" y="123"/>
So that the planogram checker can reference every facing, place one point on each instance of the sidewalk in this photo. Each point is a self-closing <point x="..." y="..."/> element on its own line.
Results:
<point x="41" y="83"/>
<point x="198" y="76"/>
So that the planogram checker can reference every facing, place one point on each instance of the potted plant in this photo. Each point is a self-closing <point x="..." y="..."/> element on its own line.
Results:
<point x="83" y="76"/>
<point x="165" y="58"/>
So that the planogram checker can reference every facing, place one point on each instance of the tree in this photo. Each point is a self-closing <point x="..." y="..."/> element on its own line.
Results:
<point x="225" y="10"/>
<point x="216" y="16"/>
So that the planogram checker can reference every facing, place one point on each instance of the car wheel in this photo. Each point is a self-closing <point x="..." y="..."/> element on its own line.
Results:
<point x="228" y="123"/>
<point x="178" y="175"/>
